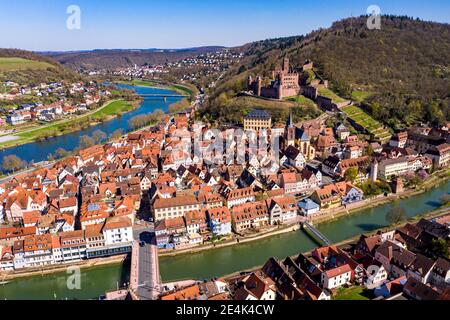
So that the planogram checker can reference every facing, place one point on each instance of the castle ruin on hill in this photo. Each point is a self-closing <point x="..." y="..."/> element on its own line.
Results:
<point x="285" y="83"/>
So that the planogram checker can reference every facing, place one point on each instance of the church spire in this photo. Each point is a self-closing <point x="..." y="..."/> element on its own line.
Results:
<point x="291" y="122"/>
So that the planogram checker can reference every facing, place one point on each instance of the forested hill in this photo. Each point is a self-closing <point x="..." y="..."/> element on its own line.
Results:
<point x="401" y="72"/>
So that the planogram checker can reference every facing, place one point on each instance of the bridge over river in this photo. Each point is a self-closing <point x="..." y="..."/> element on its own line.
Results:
<point x="317" y="235"/>
<point x="145" y="279"/>
<point x="162" y="95"/>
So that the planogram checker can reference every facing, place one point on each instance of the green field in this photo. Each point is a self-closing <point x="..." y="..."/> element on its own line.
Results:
<point x="113" y="108"/>
<point x="360" y="96"/>
<point x="302" y="100"/>
<point x="330" y="94"/>
<point x="141" y="83"/>
<point x="371" y="125"/>
<point x="189" y="90"/>
<point x="16" y="64"/>
<point x="352" y="293"/>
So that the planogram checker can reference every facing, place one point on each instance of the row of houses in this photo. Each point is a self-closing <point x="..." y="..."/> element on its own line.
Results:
<point x="29" y="249"/>
<point x="62" y="107"/>
<point x="390" y="265"/>
<point x="196" y="224"/>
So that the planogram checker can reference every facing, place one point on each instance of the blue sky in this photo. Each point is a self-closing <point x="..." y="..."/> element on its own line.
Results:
<point x="41" y="24"/>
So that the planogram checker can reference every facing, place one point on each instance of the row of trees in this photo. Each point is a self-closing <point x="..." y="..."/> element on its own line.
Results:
<point x="13" y="163"/>
<point x="86" y="141"/>
<point x="143" y="120"/>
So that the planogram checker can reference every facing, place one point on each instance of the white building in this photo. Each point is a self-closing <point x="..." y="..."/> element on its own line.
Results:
<point x="337" y="277"/>
<point x="174" y="207"/>
<point x="240" y="196"/>
<point x="118" y="231"/>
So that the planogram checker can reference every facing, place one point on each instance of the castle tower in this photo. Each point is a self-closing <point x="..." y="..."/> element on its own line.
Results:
<point x="258" y="86"/>
<point x="374" y="170"/>
<point x="280" y="87"/>
<point x="286" y="65"/>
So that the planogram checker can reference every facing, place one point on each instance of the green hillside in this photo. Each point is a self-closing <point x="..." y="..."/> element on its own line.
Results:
<point x="400" y="74"/>
<point x="25" y="67"/>
<point x="17" y="64"/>
<point x="373" y="127"/>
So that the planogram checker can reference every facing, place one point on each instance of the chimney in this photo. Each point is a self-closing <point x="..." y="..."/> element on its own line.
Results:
<point x="390" y="252"/>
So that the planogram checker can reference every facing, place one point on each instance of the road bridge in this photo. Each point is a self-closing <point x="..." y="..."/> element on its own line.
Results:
<point x="145" y="279"/>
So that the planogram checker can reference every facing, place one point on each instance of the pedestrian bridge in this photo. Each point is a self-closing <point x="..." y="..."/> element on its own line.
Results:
<point x="317" y="235"/>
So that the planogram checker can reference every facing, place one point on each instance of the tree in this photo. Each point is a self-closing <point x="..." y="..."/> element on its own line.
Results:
<point x="179" y="106"/>
<point x="61" y="153"/>
<point x="439" y="248"/>
<point x="117" y="134"/>
<point x="351" y="174"/>
<point x="137" y="121"/>
<point x="12" y="163"/>
<point x="99" y="136"/>
<point x="242" y="69"/>
<point x="370" y="150"/>
<point x="158" y="113"/>
<point x="396" y="215"/>
<point x="415" y="181"/>
<point x="86" y="142"/>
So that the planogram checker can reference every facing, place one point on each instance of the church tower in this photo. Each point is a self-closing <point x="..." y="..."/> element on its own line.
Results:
<point x="290" y="131"/>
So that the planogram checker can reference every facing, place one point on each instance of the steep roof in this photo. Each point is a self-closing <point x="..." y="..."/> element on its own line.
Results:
<point x="258" y="114"/>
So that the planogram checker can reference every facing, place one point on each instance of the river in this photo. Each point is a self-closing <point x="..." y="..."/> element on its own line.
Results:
<point x="212" y="263"/>
<point x="39" y="150"/>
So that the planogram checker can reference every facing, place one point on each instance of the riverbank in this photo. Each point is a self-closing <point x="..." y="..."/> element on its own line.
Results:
<point x="223" y="261"/>
<point x="52" y="269"/>
<point x="329" y="215"/>
<point x="92" y="263"/>
<point x="108" y="111"/>
<point x="232" y="242"/>
<point x="179" y="88"/>
<point x="433" y="214"/>
<point x="249" y="239"/>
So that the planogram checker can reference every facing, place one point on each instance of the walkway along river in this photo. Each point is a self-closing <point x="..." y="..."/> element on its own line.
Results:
<point x="221" y="261"/>
<point x="39" y="150"/>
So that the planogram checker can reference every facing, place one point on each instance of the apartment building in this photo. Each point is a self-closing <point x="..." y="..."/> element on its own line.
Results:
<point x="166" y="208"/>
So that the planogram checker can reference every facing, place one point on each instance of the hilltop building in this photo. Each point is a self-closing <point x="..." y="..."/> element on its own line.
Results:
<point x="285" y="83"/>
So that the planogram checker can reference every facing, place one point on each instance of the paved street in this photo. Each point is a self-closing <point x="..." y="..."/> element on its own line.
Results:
<point x="145" y="278"/>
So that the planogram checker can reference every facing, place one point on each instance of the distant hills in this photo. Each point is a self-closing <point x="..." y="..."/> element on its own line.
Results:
<point x="113" y="58"/>
<point x="400" y="73"/>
